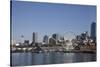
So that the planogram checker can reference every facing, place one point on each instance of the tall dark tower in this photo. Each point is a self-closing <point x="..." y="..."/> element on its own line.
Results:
<point x="93" y="30"/>
<point x="34" y="38"/>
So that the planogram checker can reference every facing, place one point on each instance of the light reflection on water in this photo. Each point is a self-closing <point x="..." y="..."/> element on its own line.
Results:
<point x="21" y="59"/>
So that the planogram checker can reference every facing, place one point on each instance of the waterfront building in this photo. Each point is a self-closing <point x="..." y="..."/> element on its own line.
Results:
<point x="52" y="41"/>
<point x="61" y="38"/>
<point x="26" y="42"/>
<point x="93" y="30"/>
<point x="46" y="39"/>
<point x="78" y="37"/>
<point x="85" y="35"/>
<point x="55" y="37"/>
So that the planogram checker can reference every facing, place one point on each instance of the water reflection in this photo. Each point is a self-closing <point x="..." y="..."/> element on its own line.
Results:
<point x="19" y="59"/>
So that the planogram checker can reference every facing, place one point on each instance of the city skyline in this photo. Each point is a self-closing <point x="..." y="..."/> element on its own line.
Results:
<point x="47" y="18"/>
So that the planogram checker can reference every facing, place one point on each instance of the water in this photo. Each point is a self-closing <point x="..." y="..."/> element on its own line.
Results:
<point x="21" y="59"/>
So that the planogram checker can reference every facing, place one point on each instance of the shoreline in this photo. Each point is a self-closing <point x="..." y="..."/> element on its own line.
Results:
<point x="71" y="51"/>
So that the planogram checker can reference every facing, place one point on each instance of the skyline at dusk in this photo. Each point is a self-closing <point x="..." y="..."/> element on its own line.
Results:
<point x="49" y="18"/>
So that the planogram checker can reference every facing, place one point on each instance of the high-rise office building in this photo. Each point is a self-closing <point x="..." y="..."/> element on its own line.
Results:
<point x="34" y="38"/>
<point x="93" y="30"/>
<point x="46" y="39"/>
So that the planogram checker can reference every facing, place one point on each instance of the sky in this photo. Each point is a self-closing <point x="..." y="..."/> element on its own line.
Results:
<point x="49" y="18"/>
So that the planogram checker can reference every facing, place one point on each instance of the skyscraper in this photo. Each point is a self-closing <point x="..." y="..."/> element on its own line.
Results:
<point x="93" y="30"/>
<point x="34" y="39"/>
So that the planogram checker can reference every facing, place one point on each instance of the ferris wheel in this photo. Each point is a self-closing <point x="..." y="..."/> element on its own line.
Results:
<point x="69" y="35"/>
